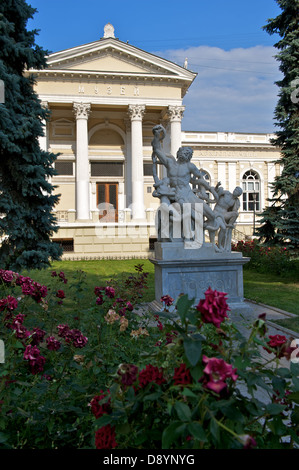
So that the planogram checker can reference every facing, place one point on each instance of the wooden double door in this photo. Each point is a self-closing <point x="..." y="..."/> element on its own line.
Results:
<point x="107" y="201"/>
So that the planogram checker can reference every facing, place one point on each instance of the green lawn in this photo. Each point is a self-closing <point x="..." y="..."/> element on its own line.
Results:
<point x="281" y="291"/>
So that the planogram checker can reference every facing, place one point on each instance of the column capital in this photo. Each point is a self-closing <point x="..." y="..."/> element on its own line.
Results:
<point x="175" y="113"/>
<point x="136" y="111"/>
<point x="81" y="110"/>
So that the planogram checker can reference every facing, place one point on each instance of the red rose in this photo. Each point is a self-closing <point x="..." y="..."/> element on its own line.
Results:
<point x="60" y="294"/>
<point x="151" y="374"/>
<point x="98" y="409"/>
<point x="105" y="438"/>
<point x="167" y="300"/>
<point x="213" y="308"/>
<point x="182" y="375"/>
<point x="128" y="374"/>
<point x="281" y="346"/>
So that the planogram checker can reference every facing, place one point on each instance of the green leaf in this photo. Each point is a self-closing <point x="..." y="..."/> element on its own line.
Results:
<point x="277" y="426"/>
<point x="123" y="428"/>
<point x="294" y="367"/>
<point x="152" y="396"/>
<point x="187" y="393"/>
<point x="274" y="408"/>
<point x="296" y="382"/>
<point x="279" y="384"/>
<point x="294" y="397"/>
<point x="183" y="411"/>
<point x="171" y="433"/>
<point x="197" y="431"/>
<point x="233" y="413"/>
<point x="183" y="306"/>
<point x="192" y="350"/>
<point x="196" y="372"/>
<point x="3" y="437"/>
<point x="283" y="372"/>
<point x="214" y="429"/>
<point x="103" y="421"/>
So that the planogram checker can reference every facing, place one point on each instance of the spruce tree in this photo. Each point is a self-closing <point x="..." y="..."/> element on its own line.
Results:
<point x="26" y="200"/>
<point x="280" y="221"/>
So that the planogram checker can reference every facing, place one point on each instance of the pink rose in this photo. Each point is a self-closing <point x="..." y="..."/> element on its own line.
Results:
<point x="213" y="308"/>
<point x="216" y="372"/>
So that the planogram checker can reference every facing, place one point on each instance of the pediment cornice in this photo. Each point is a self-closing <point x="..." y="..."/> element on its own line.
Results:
<point x="81" y="59"/>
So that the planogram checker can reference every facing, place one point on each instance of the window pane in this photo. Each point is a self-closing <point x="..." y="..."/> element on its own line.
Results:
<point x="250" y="186"/>
<point x="112" y="195"/>
<point x="148" y="169"/>
<point x="257" y="186"/>
<point x="106" y="169"/>
<point x="101" y="193"/>
<point x="64" y="168"/>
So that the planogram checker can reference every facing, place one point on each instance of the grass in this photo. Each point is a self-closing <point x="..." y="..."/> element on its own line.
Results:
<point x="280" y="291"/>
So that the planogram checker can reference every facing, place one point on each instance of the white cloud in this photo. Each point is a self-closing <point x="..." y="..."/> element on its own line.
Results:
<point x="233" y="91"/>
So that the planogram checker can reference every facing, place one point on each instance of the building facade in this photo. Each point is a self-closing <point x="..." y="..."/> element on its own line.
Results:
<point x="105" y="97"/>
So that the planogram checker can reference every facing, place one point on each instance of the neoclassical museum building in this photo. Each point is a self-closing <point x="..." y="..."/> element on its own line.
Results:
<point x="105" y="97"/>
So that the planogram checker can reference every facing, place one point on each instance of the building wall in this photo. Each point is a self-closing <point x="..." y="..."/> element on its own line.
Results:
<point x="124" y="93"/>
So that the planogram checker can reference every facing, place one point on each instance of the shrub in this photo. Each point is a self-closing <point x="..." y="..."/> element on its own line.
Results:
<point x="58" y="351"/>
<point x="264" y="258"/>
<point x="198" y="391"/>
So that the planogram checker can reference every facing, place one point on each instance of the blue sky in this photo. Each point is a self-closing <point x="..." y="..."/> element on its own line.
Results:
<point x="222" y="39"/>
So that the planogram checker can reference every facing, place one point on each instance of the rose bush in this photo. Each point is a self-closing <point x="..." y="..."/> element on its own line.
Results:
<point x="199" y="390"/>
<point x="102" y="375"/>
<point x="58" y="351"/>
<point x="264" y="258"/>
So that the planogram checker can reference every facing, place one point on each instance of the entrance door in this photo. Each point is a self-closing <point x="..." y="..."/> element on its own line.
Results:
<point x="107" y="201"/>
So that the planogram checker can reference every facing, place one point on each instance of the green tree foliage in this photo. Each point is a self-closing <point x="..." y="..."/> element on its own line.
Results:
<point x="26" y="199"/>
<point x="280" y="221"/>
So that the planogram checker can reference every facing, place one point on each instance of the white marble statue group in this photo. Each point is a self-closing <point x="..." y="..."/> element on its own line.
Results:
<point x="191" y="206"/>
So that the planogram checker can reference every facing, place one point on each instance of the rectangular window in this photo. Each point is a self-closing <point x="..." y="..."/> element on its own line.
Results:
<point x="148" y="169"/>
<point x="107" y="169"/>
<point x="67" y="244"/>
<point x="64" y="168"/>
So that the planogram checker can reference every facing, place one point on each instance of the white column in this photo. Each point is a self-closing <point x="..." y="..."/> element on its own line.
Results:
<point x="43" y="140"/>
<point x="222" y="173"/>
<point x="175" y="114"/>
<point x="232" y="176"/>
<point x="136" y="113"/>
<point x="128" y="164"/>
<point x="271" y="177"/>
<point x="82" y="111"/>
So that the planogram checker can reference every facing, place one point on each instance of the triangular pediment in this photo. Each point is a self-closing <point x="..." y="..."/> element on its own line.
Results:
<point x="114" y="56"/>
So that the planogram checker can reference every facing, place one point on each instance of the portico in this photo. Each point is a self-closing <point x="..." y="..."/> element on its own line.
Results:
<point x="104" y="98"/>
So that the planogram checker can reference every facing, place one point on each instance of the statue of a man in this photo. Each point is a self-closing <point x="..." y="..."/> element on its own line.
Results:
<point x="228" y="205"/>
<point x="180" y="171"/>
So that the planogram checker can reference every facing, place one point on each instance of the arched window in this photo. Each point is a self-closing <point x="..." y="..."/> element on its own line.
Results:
<point x="251" y="185"/>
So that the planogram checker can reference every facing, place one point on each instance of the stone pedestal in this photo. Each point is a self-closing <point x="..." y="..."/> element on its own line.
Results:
<point x="192" y="271"/>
